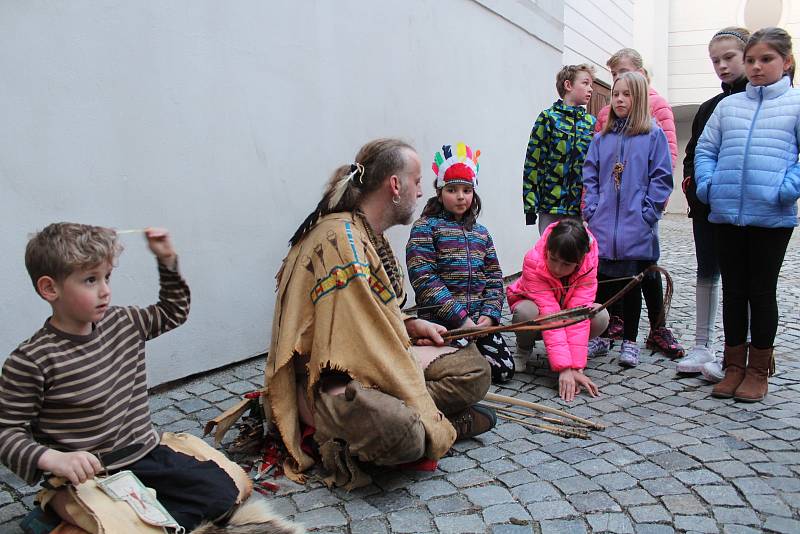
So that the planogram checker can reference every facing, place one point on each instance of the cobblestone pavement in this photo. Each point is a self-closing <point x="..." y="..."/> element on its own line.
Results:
<point x="671" y="459"/>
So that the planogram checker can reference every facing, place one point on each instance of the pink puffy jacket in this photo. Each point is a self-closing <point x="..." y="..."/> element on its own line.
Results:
<point x="566" y="347"/>
<point x="661" y="111"/>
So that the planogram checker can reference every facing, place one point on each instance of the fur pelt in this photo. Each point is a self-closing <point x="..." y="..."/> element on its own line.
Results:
<point x="254" y="516"/>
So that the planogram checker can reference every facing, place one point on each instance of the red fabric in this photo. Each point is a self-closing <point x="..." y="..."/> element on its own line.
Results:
<point x="307" y="440"/>
<point x="423" y="464"/>
<point x="566" y="347"/>
<point x="662" y="113"/>
<point x="459" y="171"/>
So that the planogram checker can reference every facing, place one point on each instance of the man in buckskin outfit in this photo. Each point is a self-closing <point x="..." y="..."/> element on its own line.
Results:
<point x="345" y="363"/>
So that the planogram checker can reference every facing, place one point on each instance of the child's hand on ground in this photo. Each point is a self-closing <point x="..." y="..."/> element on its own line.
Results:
<point x="581" y="380"/>
<point x="566" y="385"/>
<point x="161" y="245"/>
<point x="425" y="332"/>
<point x="78" y="466"/>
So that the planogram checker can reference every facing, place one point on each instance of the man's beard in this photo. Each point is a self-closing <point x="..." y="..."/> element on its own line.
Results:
<point x="403" y="213"/>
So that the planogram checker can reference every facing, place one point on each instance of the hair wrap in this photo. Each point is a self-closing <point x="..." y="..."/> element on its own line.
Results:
<point x="356" y="174"/>
<point x="355" y="177"/>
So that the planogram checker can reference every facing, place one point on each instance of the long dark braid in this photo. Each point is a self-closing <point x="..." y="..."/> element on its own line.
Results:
<point x="376" y="161"/>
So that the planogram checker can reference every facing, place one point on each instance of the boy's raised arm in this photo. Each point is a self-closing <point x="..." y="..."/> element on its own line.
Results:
<point x="172" y="308"/>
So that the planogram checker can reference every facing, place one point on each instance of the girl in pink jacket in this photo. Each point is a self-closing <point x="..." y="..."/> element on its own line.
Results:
<point x="560" y="272"/>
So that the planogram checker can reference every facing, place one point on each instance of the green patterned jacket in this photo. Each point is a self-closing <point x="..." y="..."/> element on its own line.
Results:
<point x="552" y="179"/>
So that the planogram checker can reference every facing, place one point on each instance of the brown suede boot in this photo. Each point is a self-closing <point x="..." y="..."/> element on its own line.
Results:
<point x="760" y="366"/>
<point x="734" y="362"/>
<point x="473" y="421"/>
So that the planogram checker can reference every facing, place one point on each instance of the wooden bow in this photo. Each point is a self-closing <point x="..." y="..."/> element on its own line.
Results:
<point x="569" y="316"/>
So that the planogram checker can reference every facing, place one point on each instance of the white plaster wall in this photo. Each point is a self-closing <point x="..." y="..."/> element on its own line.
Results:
<point x="650" y="38"/>
<point x="691" y="26"/>
<point x="594" y="30"/>
<point x="221" y="121"/>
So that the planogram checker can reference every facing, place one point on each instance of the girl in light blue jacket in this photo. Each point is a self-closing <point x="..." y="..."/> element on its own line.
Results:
<point x="746" y="170"/>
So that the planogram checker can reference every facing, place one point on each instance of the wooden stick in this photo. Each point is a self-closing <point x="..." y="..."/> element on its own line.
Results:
<point x="563" y="432"/>
<point x="131" y="231"/>
<point x="573" y="424"/>
<point x="542" y="408"/>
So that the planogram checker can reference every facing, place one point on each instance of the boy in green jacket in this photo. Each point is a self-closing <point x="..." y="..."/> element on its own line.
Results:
<point x="552" y="184"/>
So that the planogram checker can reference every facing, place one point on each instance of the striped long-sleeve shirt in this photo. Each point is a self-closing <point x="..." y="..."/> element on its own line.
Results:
<point x="85" y="393"/>
<point x="454" y="270"/>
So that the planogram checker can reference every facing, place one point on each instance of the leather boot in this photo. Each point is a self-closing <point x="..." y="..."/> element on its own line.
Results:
<point x="733" y="363"/>
<point x="760" y="366"/>
<point x="473" y="421"/>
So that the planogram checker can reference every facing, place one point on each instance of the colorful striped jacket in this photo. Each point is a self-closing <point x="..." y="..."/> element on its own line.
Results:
<point x="455" y="270"/>
<point x="551" y="181"/>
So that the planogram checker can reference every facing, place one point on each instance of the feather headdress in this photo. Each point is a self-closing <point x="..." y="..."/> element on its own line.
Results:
<point x="456" y="164"/>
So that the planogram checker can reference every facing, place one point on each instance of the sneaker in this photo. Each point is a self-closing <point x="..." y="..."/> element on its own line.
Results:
<point x="662" y="340"/>
<point x="615" y="327"/>
<point x="712" y="371"/>
<point x="473" y="421"/>
<point x="629" y="354"/>
<point x="598" y="346"/>
<point x="695" y="359"/>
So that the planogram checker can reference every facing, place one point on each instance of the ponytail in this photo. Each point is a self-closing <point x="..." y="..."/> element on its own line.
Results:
<point x="376" y="161"/>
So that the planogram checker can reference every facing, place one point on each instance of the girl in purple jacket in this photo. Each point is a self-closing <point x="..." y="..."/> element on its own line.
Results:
<point x="627" y="178"/>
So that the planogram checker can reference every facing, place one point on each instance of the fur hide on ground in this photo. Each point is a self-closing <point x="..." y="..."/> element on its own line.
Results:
<point x="252" y="517"/>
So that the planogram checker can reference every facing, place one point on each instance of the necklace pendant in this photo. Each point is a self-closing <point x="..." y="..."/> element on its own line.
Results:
<point x="616" y="173"/>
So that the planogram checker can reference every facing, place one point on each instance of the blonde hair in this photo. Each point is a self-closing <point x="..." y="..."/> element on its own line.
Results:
<point x="61" y="248"/>
<point x="625" y="53"/>
<point x="737" y="34"/>
<point x="639" y="120"/>
<point x="568" y="73"/>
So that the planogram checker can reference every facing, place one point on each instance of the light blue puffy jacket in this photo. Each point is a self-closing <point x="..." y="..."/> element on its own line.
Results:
<point x="745" y="163"/>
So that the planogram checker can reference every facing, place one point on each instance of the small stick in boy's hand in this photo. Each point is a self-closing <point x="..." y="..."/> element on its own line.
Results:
<point x="131" y="231"/>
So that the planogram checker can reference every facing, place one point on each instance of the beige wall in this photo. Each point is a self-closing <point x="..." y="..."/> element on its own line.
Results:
<point x="692" y="23"/>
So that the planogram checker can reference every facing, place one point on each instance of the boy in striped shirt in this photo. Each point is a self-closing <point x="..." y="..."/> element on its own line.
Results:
<point x="75" y="393"/>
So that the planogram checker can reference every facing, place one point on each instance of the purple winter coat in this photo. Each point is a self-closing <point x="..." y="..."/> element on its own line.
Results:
<point x="625" y="221"/>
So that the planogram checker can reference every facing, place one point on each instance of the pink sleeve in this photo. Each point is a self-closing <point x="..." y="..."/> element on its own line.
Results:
<point x="555" y="341"/>
<point x="666" y="120"/>
<point x="602" y="118"/>
<point x="578" y="334"/>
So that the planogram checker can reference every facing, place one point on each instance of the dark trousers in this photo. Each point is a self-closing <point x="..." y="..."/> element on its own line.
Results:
<point x="192" y="491"/>
<point x="630" y="305"/>
<point x="653" y="293"/>
<point x="750" y="260"/>
<point x="705" y="249"/>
